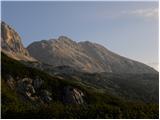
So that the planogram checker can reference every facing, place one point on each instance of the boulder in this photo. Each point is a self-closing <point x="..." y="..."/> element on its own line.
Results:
<point x="10" y="81"/>
<point x="29" y="88"/>
<point x="37" y="83"/>
<point x="25" y="87"/>
<point x="73" y="95"/>
<point x="46" y="96"/>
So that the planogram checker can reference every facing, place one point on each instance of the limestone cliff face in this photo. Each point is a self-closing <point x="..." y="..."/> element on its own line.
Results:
<point x="11" y="44"/>
<point x="85" y="56"/>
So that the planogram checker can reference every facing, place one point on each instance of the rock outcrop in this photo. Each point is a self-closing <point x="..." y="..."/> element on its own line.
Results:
<point x="11" y="44"/>
<point x="84" y="56"/>
<point x="73" y="95"/>
<point x="37" y="83"/>
<point x="46" y="96"/>
<point x="11" y="82"/>
<point x="25" y="87"/>
<point x="29" y="88"/>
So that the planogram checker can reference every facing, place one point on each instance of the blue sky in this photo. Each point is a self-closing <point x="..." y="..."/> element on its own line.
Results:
<point x="127" y="28"/>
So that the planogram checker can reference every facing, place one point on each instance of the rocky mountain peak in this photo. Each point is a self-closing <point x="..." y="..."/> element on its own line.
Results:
<point x="11" y="43"/>
<point x="65" y="40"/>
<point x="85" y="56"/>
<point x="11" y="40"/>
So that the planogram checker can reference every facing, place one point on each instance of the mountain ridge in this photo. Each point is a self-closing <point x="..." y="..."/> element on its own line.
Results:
<point x="87" y="56"/>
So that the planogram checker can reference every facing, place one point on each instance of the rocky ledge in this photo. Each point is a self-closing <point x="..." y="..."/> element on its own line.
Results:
<point x="33" y="90"/>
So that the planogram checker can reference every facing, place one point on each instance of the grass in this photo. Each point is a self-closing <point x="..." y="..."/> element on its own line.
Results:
<point x="98" y="105"/>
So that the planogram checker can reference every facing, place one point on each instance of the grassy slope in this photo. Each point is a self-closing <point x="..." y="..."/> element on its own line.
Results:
<point x="99" y="105"/>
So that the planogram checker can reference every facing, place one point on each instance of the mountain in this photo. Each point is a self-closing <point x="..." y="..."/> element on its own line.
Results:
<point x="11" y="44"/>
<point x="84" y="56"/>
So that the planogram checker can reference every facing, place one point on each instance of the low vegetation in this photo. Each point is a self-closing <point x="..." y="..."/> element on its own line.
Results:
<point x="97" y="105"/>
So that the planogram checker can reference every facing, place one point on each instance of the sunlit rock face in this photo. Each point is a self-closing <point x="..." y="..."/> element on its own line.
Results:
<point x="11" y="44"/>
<point x="84" y="56"/>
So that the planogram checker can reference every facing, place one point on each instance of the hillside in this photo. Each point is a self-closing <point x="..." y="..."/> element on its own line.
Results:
<point x="95" y="104"/>
<point x="131" y="86"/>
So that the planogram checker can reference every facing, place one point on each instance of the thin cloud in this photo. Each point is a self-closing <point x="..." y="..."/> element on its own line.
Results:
<point x="147" y="13"/>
